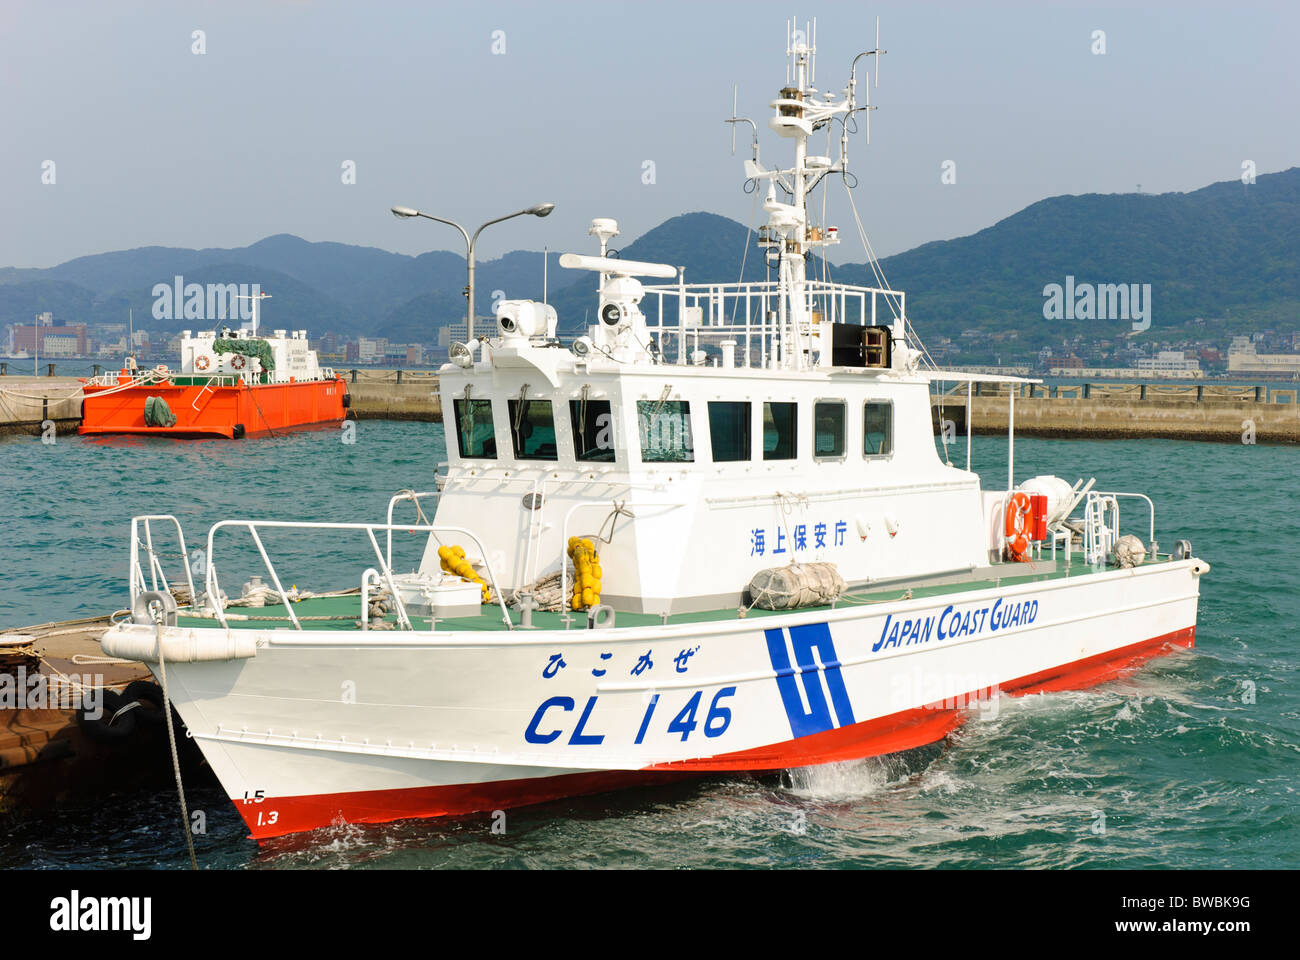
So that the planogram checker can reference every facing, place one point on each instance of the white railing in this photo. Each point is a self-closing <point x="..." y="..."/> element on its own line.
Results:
<point x="1151" y="507"/>
<point x="157" y="577"/>
<point x="139" y="378"/>
<point x="213" y="587"/>
<point x="147" y="378"/>
<point x="1101" y="524"/>
<point x="415" y="497"/>
<point x="753" y="313"/>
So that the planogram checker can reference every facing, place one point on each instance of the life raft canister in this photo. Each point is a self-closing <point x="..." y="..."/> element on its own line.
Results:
<point x="1018" y="525"/>
<point x="1038" y="503"/>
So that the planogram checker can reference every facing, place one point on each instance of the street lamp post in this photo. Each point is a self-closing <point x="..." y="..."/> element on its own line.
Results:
<point x="540" y="210"/>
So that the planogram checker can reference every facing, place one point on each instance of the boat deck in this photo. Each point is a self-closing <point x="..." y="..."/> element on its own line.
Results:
<point x="344" y="612"/>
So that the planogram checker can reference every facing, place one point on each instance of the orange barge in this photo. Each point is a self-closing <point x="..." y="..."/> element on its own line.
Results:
<point x="210" y="406"/>
<point x="231" y="384"/>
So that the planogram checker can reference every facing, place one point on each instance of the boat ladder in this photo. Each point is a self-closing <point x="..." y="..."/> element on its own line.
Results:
<point x="198" y="396"/>
<point x="1100" y="527"/>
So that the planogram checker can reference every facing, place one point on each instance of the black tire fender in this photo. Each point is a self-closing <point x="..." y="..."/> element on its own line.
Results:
<point x="150" y="697"/>
<point x="112" y="725"/>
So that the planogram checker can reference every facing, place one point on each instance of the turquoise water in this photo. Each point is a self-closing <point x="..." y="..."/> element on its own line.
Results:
<point x="1172" y="767"/>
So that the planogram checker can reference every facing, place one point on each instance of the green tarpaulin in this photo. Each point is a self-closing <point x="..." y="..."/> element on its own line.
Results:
<point x="157" y="413"/>
<point x="249" y="348"/>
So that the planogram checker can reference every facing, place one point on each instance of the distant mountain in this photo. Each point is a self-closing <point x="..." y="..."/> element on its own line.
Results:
<point x="1227" y="249"/>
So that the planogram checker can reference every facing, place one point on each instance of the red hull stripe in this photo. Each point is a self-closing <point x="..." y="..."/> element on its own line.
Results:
<point x="295" y="814"/>
<point x="900" y="731"/>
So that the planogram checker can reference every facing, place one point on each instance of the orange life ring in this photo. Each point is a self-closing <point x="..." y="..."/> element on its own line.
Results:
<point x="1019" y="509"/>
<point x="237" y="361"/>
<point x="202" y="362"/>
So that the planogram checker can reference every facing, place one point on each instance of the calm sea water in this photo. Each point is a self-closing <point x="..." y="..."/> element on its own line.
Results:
<point x="1185" y="770"/>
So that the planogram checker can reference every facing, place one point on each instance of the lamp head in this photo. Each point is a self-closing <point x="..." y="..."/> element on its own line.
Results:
<point x="542" y="209"/>
<point x="405" y="212"/>
<point x="461" y="355"/>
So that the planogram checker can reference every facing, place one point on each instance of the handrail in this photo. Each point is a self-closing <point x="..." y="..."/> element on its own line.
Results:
<point x="135" y="575"/>
<point x="1152" y="506"/>
<point x="1101" y="496"/>
<point x="366" y="576"/>
<point x="370" y="529"/>
<point x="765" y="316"/>
<point x="412" y="495"/>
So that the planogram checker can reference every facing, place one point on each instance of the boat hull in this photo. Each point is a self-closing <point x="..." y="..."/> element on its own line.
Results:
<point x="322" y="727"/>
<point x="215" y="411"/>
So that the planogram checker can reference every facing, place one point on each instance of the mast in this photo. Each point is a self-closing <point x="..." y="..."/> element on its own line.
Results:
<point x="801" y="110"/>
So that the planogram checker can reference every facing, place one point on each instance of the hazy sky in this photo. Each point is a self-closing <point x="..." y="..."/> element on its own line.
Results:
<point x="155" y="144"/>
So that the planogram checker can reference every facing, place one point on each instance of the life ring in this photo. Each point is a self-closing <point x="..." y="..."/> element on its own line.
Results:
<point x="237" y="362"/>
<point x="1019" y="509"/>
<point x="202" y="362"/>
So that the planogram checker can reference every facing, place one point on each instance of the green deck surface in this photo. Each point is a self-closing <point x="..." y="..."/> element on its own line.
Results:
<point x="344" y="613"/>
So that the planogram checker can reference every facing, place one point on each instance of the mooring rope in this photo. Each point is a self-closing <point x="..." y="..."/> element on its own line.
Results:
<point x="171" y="740"/>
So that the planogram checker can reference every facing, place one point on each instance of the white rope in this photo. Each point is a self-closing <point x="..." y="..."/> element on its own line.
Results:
<point x="878" y="270"/>
<point x="744" y="256"/>
<point x="148" y="378"/>
<point x="171" y="740"/>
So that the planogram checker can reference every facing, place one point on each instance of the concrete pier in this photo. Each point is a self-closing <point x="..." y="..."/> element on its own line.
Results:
<point x="1214" y="412"/>
<point x="31" y="404"/>
<point x="394" y="394"/>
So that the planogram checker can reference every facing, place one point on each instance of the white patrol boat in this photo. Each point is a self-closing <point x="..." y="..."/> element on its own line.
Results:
<point x="712" y="534"/>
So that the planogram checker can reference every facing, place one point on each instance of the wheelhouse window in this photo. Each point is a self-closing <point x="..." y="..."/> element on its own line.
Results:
<point x="780" y="430"/>
<point x="729" y="430"/>
<point x="877" y="429"/>
<point x="593" y="430"/>
<point x="532" y="428"/>
<point x="475" y="434"/>
<point x="665" y="429"/>
<point x="829" y="417"/>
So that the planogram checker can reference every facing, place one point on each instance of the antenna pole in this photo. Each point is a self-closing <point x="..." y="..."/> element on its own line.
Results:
<point x="875" y="74"/>
<point x="735" y="93"/>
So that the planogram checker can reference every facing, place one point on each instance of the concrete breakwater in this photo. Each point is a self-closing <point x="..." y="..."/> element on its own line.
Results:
<point x="1213" y="412"/>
